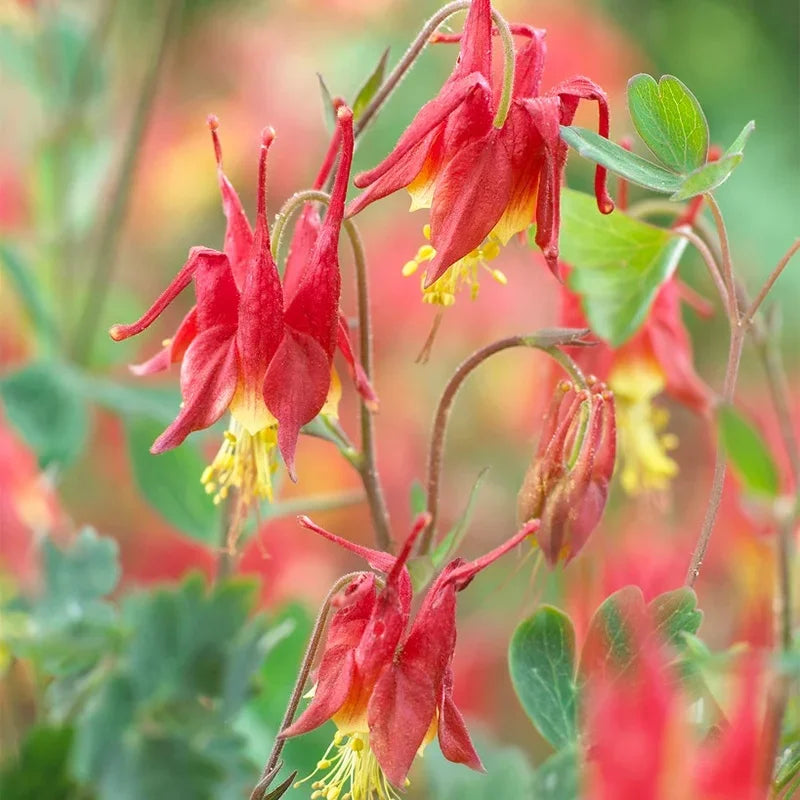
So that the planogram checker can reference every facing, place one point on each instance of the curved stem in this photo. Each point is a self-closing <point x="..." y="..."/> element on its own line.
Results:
<point x="271" y="767"/>
<point x="708" y="258"/>
<point x="416" y="47"/>
<point x="787" y="257"/>
<point x="436" y="451"/>
<point x="105" y="254"/>
<point x="727" y="263"/>
<point x="509" y="62"/>
<point x="367" y="463"/>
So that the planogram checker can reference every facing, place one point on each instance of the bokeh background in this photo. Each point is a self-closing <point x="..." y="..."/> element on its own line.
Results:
<point x="107" y="179"/>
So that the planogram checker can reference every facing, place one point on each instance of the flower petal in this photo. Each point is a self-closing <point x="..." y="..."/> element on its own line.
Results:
<point x="174" y="351"/>
<point x="359" y="377"/>
<point x="208" y="381"/>
<point x="454" y="738"/>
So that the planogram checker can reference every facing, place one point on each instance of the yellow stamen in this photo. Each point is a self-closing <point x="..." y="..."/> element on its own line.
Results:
<point x="643" y="444"/>
<point x="245" y="461"/>
<point x="353" y="772"/>
<point x="463" y="274"/>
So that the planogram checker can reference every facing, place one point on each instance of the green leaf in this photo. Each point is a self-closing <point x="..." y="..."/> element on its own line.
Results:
<point x="620" y="161"/>
<point x="558" y="778"/>
<point x="370" y="86"/>
<point x="170" y="482"/>
<point x="158" y="404"/>
<point x="542" y="665"/>
<point x="609" y="647"/>
<point x="788" y="767"/>
<point x="327" y="104"/>
<point x="675" y="613"/>
<point x="708" y="177"/>
<point x="27" y="289"/>
<point x="619" y="264"/>
<point x="741" y="140"/>
<point x="508" y="775"/>
<point x="43" y="402"/>
<point x="670" y="121"/>
<point x="747" y="453"/>
<point x="42" y="768"/>
<point x="423" y="568"/>
<point x="417" y="498"/>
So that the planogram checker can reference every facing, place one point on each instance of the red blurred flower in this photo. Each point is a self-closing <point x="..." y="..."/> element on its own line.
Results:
<point x="566" y="486"/>
<point x="485" y="177"/>
<point x="657" y="358"/>
<point x="389" y="692"/>
<point x="262" y="350"/>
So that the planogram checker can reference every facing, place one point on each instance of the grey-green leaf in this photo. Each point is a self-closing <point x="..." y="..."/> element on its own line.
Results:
<point x="44" y="403"/>
<point x="670" y="121"/>
<point x="620" y="161"/>
<point x="708" y="177"/>
<point x="542" y="664"/>
<point x="619" y="264"/>
<point x="170" y="481"/>
<point x="741" y="140"/>
<point x="747" y="453"/>
<point x="675" y="613"/>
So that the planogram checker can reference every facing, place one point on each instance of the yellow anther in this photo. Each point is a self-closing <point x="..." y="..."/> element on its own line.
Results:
<point x="410" y="267"/>
<point x="425" y="253"/>
<point x="500" y="277"/>
<point x="166" y="342"/>
<point x="230" y="436"/>
<point x="426" y="231"/>
<point x="206" y="476"/>
<point x="357" y="744"/>
<point x="323" y="764"/>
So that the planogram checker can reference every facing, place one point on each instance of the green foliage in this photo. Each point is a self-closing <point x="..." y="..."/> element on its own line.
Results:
<point x="370" y="86"/>
<point x="43" y="402"/>
<point x="42" y="768"/>
<point x="558" y="778"/>
<point x="747" y="453"/>
<point x="675" y="614"/>
<point x="425" y="567"/>
<point x="542" y="665"/>
<point x="508" y="775"/>
<point x="620" y="161"/>
<point x="670" y="121"/>
<point x="673" y="125"/>
<point x="618" y="264"/>
<point x="170" y="481"/>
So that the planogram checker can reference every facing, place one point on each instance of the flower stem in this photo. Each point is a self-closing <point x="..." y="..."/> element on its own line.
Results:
<point x="765" y="289"/>
<point x="108" y="240"/>
<point x="436" y="450"/>
<point x="367" y="463"/>
<point x="395" y="77"/>
<point x="737" y="334"/>
<point x="272" y="767"/>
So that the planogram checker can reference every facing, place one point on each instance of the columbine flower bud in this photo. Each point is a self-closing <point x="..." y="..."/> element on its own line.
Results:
<point x="566" y="486"/>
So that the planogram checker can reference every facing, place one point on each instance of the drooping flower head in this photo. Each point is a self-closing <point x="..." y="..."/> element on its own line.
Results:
<point x="566" y="486"/>
<point x="656" y="359"/>
<point x="388" y="690"/>
<point x="261" y="350"/>
<point x="484" y="179"/>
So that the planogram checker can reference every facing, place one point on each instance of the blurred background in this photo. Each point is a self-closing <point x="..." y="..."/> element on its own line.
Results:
<point x="107" y="179"/>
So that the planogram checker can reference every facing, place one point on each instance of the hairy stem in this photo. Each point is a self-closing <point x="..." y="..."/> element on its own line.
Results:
<point x="737" y="333"/>
<point x="269" y="771"/>
<point x="367" y="461"/>
<point x="436" y="450"/>
<point x="108" y="240"/>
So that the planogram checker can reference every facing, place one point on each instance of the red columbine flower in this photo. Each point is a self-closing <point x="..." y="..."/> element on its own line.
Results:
<point x="657" y="358"/>
<point x="389" y="692"/>
<point x="566" y="486"/>
<point x="485" y="179"/>
<point x="251" y="346"/>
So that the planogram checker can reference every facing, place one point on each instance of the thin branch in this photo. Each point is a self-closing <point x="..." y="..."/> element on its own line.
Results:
<point x="269" y="771"/>
<point x="105" y="255"/>
<point x="708" y="258"/>
<point x="776" y="273"/>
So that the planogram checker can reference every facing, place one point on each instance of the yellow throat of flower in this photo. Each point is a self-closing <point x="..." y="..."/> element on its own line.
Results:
<point x="463" y="274"/>
<point x="349" y="771"/>
<point x="245" y="461"/>
<point x="643" y="442"/>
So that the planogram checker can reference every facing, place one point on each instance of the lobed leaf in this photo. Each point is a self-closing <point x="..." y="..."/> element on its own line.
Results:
<point x="670" y="121"/>
<point x="542" y="664"/>
<point x="708" y="177"/>
<point x="620" y="161"/>
<point x="619" y="264"/>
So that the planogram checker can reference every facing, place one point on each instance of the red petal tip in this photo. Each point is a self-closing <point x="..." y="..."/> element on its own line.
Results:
<point x="606" y="206"/>
<point x="344" y="113"/>
<point x="338" y="102"/>
<point x="213" y="122"/>
<point x="116" y="333"/>
<point x="268" y="136"/>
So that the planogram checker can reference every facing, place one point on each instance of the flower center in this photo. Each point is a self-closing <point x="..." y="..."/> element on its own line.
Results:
<point x="245" y="461"/>
<point x="464" y="273"/>
<point x="351" y="772"/>
<point x="643" y="442"/>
